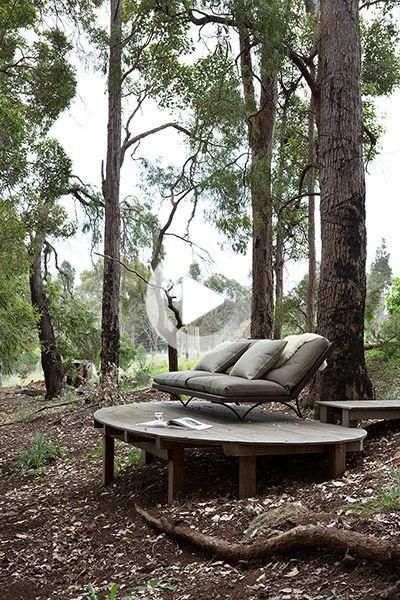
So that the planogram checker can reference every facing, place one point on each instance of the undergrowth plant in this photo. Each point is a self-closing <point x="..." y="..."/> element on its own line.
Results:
<point x="141" y="591"/>
<point x="386" y="499"/>
<point x="39" y="452"/>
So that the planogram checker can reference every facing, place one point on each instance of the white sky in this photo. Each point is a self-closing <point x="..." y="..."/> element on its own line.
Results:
<point x="82" y="131"/>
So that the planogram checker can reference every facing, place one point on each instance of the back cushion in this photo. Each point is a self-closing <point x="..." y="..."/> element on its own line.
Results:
<point x="258" y="359"/>
<point x="223" y="356"/>
<point x="294" y="369"/>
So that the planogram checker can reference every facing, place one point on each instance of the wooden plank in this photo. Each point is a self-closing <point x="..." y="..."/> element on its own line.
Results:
<point x="268" y="450"/>
<point x="265" y="428"/>
<point x="337" y="460"/>
<point x="354" y="404"/>
<point x="381" y="413"/>
<point x="175" y="472"/>
<point x="108" y="458"/>
<point x="247" y="476"/>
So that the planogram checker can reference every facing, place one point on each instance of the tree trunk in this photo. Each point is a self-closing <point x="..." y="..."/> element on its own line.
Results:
<point x="279" y="262"/>
<point x="172" y="358"/>
<point x="313" y="9"/>
<point x="50" y="354"/>
<point x="110" y="328"/>
<point x="312" y="270"/>
<point x="341" y="298"/>
<point x="261" y="123"/>
<point x="279" y="245"/>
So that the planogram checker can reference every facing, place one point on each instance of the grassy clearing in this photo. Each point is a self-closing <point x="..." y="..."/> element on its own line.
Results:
<point x="15" y="379"/>
<point x="39" y="452"/>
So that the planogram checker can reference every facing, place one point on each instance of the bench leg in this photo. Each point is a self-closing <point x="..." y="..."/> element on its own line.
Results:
<point x="346" y="419"/>
<point x="323" y="414"/>
<point x="175" y="472"/>
<point x="337" y="460"/>
<point x="326" y="414"/>
<point x="247" y="476"/>
<point x="108" y="458"/>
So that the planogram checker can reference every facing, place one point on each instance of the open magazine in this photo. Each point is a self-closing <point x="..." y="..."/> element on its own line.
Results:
<point x="185" y="422"/>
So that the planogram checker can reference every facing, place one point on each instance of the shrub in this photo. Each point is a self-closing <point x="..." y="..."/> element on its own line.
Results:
<point x="38" y="453"/>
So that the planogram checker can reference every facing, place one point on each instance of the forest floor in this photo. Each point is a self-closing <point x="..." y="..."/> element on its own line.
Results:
<point x="61" y="531"/>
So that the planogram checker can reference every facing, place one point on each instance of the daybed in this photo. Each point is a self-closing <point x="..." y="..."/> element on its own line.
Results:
<point x="250" y="371"/>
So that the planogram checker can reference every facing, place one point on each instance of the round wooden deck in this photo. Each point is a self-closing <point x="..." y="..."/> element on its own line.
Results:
<point x="266" y="433"/>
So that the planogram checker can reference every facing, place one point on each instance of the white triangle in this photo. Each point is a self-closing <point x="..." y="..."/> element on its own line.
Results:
<point x="197" y="300"/>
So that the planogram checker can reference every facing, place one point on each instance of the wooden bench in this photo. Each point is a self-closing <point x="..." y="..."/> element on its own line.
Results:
<point x="266" y="434"/>
<point x="351" y="412"/>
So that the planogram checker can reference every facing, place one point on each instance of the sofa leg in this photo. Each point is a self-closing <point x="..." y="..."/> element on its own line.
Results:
<point x="247" y="476"/>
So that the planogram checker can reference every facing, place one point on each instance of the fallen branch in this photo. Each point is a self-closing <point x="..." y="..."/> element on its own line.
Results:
<point x="298" y="538"/>
<point x="35" y="412"/>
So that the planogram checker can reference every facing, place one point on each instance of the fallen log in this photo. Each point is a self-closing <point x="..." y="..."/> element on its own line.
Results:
<point x="301" y="537"/>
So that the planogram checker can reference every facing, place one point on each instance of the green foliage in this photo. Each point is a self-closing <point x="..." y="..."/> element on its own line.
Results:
<point x="135" y="326"/>
<point x="385" y="500"/>
<point x="39" y="452"/>
<point x="384" y="371"/>
<point x="132" y="457"/>
<point x="141" y="591"/>
<point x="127" y="352"/>
<point x="293" y="309"/>
<point x="381" y="58"/>
<point x="393" y="297"/>
<point x="36" y="84"/>
<point x="17" y="317"/>
<point x="142" y="367"/>
<point x="378" y="281"/>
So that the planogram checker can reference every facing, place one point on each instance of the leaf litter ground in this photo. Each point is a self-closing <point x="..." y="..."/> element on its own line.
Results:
<point x="61" y="531"/>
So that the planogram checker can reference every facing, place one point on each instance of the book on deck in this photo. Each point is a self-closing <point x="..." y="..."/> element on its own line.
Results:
<point x="185" y="422"/>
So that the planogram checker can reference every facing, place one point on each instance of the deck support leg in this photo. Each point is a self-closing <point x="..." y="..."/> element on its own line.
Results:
<point x="147" y="457"/>
<point x="337" y="460"/>
<point x="108" y="458"/>
<point x="175" y="472"/>
<point x="346" y="419"/>
<point x="247" y="476"/>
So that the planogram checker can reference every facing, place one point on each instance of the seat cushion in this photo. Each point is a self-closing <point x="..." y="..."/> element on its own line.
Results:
<point x="229" y="386"/>
<point x="178" y="378"/>
<point x="294" y="369"/>
<point x="258" y="359"/>
<point x="223" y="356"/>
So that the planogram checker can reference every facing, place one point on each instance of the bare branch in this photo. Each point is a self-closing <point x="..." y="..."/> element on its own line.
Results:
<point x="191" y="244"/>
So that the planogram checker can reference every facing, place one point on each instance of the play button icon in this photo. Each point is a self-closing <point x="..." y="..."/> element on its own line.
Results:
<point x="197" y="300"/>
<point x="174" y="307"/>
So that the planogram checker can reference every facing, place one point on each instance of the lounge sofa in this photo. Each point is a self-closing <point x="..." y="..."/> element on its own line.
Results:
<point x="250" y="371"/>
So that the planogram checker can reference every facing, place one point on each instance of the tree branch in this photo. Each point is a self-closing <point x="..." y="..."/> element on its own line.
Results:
<point x="302" y="66"/>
